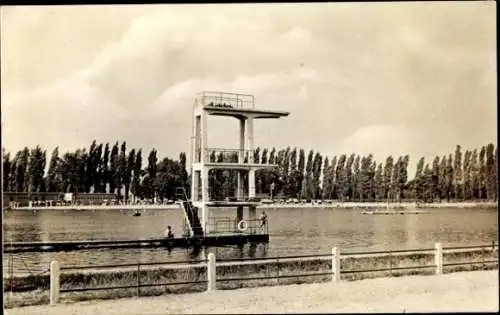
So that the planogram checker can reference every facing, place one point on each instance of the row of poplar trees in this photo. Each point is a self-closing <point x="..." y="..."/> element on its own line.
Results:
<point x="101" y="168"/>
<point x="469" y="175"/>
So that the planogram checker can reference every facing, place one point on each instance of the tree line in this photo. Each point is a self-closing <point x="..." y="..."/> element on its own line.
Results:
<point x="101" y="168"/>
<point x="469" y="175"/>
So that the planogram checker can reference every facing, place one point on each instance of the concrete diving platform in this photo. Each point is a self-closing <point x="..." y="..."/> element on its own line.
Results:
<point x="244" y="113"/>
<point x="208" y="163"/>
<point x="241" y="106"/>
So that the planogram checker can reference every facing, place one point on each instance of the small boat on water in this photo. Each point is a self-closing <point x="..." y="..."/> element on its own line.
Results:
<point x="137" y="213"/>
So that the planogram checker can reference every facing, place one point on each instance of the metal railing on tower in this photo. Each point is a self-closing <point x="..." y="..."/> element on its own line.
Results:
<point x="225" y="100"/>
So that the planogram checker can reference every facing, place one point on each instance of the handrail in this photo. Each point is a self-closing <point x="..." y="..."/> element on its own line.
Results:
<point x="187" y="212"/>
<point x="188" y="220"/>
<point x="202" y="93"/>
<point x="228" y="149"/>
<point x="226" y="224"/>
<point x="183" y="192"/>
<point x="231" y="100"/>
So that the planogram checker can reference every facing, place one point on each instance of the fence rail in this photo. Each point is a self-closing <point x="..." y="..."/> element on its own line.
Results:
<point x="478" y="262"/>
<point x="210" y="266"/>
<point x="398" y="251"/>
<point x="179" y="262"/>
<point x="142" y="285"/>
<point x="492" y="246"/>
<point x="311" y="274"/>
<point x="388" y="269"/>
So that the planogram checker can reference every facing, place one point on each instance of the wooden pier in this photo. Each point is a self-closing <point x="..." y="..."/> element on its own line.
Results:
<point x="166" y="244"/>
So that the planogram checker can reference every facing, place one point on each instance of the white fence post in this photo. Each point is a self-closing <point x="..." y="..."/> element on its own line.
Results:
<point x="54" y="282"/>
<point x="335" y="264"/>
<point x="211" y="272"/>
<point x="438" y="258"/>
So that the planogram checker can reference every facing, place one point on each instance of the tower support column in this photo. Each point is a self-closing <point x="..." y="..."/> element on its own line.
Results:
<point x="204" y="219"/>
<point x="241" y="157"/>
<point x="205" y="198"/>
<point x="204" y="137"/>
<point x="251" y="173"/>
<point x="251" y="183"/>
<point x="239" y="216"/>
<point x="250" y="139"/>
<point x="252" y="213"/>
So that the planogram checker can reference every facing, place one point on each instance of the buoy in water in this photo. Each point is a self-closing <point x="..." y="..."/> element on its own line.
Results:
<point x="242" y="225"/>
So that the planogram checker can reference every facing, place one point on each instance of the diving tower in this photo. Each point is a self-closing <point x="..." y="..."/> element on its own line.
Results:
<point x="239" y="160"/>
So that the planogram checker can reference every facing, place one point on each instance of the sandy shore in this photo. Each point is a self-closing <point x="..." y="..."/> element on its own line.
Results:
<point x="457" y="292"/>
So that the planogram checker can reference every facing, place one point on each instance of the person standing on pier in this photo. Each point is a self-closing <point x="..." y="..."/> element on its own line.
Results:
<point x="263" y="220"/>
<point x="168" y="233"/>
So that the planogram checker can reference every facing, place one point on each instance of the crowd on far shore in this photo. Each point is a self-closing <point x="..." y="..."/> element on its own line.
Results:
<point x="67" y="203"/>
<point x="266" y="202"/>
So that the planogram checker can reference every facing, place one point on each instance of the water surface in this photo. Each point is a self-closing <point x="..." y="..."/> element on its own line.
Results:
<point x="292" y="231"/>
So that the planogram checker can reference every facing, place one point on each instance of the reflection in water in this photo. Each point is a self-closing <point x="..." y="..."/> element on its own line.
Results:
<point x="169" y="249"/>
<point x="292" y="231"/>
<point x="412" y="222"/>
<point x="240" y="250"/>
<point x="264" y="250"/>
<point x="196" y="251"/>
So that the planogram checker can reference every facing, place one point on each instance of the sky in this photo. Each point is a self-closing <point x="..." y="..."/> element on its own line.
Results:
<point x="382" y="78"/>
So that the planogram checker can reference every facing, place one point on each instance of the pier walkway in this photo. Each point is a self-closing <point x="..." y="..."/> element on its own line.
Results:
<point x="183" y="242"/>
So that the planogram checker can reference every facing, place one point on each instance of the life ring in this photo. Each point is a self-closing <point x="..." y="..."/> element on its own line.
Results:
<point x="242" y="226"/>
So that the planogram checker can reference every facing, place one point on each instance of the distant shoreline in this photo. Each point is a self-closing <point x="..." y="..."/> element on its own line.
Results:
<point x="339" y="205"/>
<point x="384" y="205"/>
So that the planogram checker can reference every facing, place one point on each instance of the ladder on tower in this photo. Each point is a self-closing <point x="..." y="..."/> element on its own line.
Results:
<point x="190" y="213"/>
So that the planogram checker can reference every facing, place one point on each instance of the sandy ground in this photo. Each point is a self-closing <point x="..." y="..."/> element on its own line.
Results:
<point x="457" y="292"/>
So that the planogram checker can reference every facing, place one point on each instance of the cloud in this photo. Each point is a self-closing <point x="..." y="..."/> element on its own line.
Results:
<point x="385" y="140"/>
<point x="373" y="139"/>
<point x="46" y="116"/>
<point x="347" y="72"/>
<point x="271" y="90"/>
